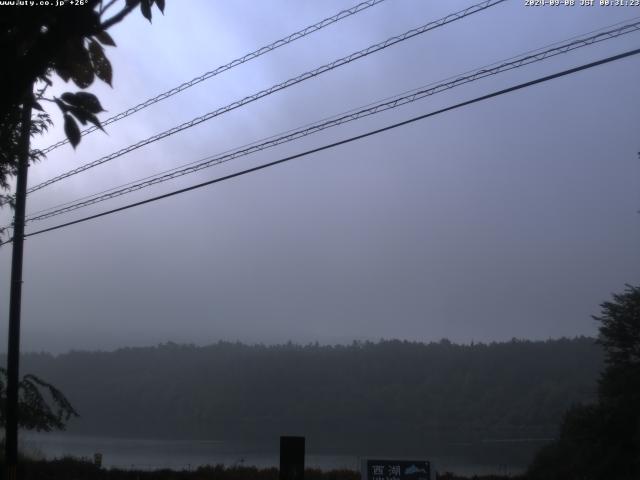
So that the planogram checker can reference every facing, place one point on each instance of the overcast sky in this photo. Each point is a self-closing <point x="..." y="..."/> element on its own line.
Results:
<point x="515" y="217"/>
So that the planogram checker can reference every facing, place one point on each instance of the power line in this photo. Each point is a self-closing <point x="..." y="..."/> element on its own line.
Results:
<point x="372" y="109"/>
<point x="233" y="63"/>
<point x="468" y="72"/>
<point x="280" y="86"/>
<point x="345" y="141"/>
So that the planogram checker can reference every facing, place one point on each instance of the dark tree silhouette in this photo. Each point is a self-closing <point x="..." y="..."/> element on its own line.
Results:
<point x="602" y="441"/>
<point x="37" y="43"/>
<point x="403" y="398"/>
<point x="42" y="406"/>
<point x="40" y="42"/>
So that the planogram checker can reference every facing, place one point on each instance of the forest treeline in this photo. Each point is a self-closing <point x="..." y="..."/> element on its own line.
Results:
<point x="393" y="396"/>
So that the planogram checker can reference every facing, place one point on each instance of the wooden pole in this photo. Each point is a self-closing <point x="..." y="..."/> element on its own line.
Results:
<point x="13" y="352"/>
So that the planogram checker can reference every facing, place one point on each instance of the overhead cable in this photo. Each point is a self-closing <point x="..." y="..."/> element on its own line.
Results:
<point x="381" y="106"/>
<point x="343" y="142"/>
<point x="275" y="88"/>
<point x="223" y="68"/>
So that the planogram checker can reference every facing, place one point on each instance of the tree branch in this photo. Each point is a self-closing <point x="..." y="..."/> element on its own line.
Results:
<point x="107" y="6"/>
<point x="118" y="17"/>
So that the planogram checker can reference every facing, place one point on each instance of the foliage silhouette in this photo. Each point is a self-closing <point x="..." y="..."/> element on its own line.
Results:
<point x="40" y="42"/>
<point x="35" y="397"/>
<point x="602" y="440"/>
<point x="37" y="43"/>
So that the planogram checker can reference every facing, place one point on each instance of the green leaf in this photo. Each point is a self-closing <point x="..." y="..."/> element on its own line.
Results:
<point x="85" y="100"/>
<point x="145" y="8"/>
<point x="89" y="101"/>
<point x="160" y="4"/>
<point x="101" y="64"/>
<point x="93" y="119"/>
<point x="63" y="74"/>
<point x="71" y="130"/>
<point x="83" y="106"/>
<point x="95" y="50"/>
<point x="82" y="77"/>
<point x="80" y="114"/>
<point x="63" y="106"/>
<point x="69" y="97"/>
<point x="79" y="65"/>
<point x="105" y="39"/>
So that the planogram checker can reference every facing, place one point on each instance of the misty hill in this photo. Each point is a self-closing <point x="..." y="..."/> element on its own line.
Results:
<point x="390" y="395"/>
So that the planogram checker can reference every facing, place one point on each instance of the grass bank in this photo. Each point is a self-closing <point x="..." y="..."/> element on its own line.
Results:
<point x="75" y="469"/>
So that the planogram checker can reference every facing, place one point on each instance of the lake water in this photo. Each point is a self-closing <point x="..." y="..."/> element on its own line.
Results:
<point x="189" y="455"/>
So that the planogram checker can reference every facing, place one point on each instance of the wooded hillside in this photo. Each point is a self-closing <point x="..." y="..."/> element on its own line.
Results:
<point x="390" y="396"/>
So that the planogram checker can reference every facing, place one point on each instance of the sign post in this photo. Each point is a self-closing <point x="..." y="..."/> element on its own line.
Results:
<point x="396" y="470"/>
<point x="292" y="458"/>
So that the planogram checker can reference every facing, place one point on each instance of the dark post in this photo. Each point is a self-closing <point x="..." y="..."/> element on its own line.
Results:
<point x="291" y="458"/>
<point x="13" y="353"/>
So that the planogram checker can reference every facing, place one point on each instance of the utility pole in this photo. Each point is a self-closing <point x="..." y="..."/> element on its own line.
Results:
<point x="13" y="353"/>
